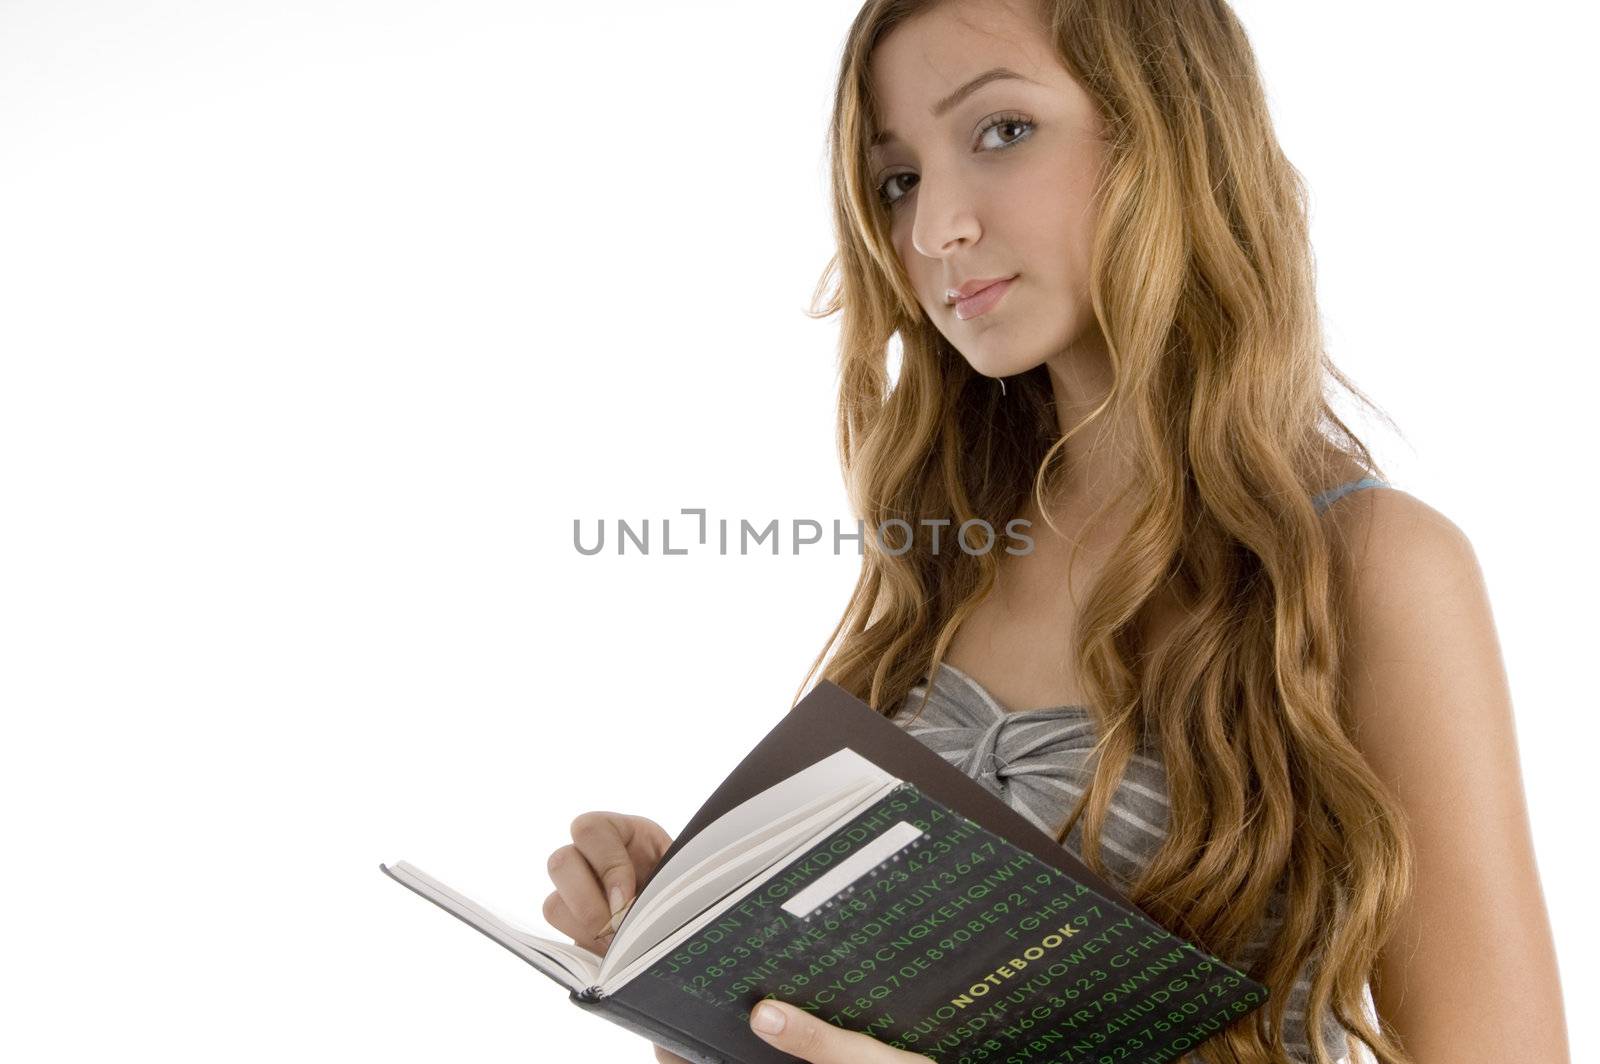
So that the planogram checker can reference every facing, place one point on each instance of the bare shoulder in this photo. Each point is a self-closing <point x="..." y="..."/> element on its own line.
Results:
<point x="1416" y="590"/>
<point x="1386" y="529"/>
<point x="1422" y="658"/>
<point x="1430" y="710"/>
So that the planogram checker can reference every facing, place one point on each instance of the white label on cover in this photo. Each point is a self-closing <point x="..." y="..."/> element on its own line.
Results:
<point x="852" y="868"/>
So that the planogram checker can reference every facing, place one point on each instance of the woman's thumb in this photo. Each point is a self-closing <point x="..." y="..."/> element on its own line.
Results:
<point x="809" y="1038"/>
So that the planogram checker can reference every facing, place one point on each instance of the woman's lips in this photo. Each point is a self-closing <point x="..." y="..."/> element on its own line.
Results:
<point x="982" y="300"/>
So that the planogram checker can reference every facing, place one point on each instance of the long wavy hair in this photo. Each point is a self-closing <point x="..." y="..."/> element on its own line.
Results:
<point x="1202" y="283"/>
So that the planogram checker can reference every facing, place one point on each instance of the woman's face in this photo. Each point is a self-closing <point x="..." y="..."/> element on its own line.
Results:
<point x="995" y="185"/>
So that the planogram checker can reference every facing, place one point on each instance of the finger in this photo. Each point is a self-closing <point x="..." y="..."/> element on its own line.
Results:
<point x="578" y="887"/>
<point x="654" y="837"/>
<point x="668" y="1057"/>
<point x="648" y="843"/>
<point x="557" y="915"/>
<point x="614" y="845"/>
<point x="805" y="1036"/>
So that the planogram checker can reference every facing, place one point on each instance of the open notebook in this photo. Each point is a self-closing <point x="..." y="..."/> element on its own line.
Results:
<point x="846" y="868"/>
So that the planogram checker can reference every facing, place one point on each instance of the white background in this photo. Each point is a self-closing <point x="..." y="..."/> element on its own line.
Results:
<point x="322" y="322"/>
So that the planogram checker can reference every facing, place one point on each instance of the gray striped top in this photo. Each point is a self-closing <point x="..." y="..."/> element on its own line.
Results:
<point x="1036" y="761"/>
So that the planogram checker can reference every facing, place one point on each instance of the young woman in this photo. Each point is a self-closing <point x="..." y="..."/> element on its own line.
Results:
<point x="1238" y="673"/>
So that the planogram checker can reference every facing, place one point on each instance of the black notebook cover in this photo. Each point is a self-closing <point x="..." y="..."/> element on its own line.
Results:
<point x="966" y="931"/>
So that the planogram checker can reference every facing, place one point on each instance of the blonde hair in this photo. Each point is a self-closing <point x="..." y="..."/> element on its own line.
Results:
<point x="1202" y="283"/>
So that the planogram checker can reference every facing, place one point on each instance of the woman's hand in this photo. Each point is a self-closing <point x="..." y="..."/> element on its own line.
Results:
<point x="608" y="855"/>
<point x="803" y="1035"/>
<point x="598" y="872"/>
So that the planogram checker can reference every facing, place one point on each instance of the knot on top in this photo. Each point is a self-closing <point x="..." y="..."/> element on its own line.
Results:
<point x="994" y="745"/>
<point x="1037" y="742"/>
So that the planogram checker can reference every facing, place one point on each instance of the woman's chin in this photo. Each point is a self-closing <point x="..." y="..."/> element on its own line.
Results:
<point x="997" y="367"/>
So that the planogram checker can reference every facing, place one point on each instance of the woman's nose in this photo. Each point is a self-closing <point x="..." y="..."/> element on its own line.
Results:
<point x="946" y="213"/>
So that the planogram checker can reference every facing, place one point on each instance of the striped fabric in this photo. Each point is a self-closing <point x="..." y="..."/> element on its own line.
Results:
<point x="1036" y="761"/>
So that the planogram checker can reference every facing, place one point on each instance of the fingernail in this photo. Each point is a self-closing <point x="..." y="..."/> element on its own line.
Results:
<point x="768" y="1019"/>
<point x="616" y="900"/>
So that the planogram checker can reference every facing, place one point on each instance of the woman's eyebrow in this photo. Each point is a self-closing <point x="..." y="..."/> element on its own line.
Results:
<point x="884" y="136"/>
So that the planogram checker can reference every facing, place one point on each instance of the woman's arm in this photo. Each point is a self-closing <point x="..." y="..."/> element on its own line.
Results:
<point x="1471" y="972"/>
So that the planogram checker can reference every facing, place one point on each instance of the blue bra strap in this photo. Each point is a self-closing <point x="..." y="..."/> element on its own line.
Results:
<point x="1323" y="501"/>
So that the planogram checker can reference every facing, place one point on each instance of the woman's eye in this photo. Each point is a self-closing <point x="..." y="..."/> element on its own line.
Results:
<point x="1004" y="122"/>
<point x="888" y="183"/>
<point x="1019" y="127"/>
